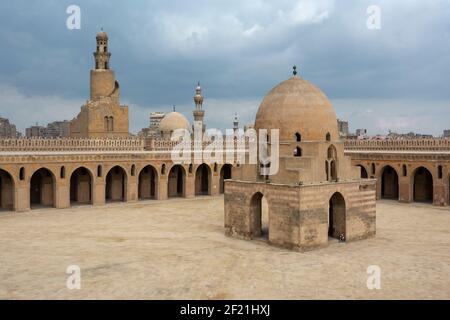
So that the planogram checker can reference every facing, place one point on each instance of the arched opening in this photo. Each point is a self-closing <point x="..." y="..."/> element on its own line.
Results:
<point x="439" y="170"/>
<point x="116" y="181"/>
<point x="333" y="171"/>
<point x="6" y="191"/>
<point x="163" y="169"/>
<point x="22" y="174"/>
<point x="336" y="217"/>
<point x="225" y="173"/>
<point x="328" y="137"/>
<point x="389" y="183"/>
<point x="62" y="173"/>
<point x="259" y="210"/>
<point x="364" y="174"/>
<point x="176" y="181"/>
<point x="373" y="168"/>
<point x="42" y="189"/>
<point x="202" y="180"/>
<point x="298" y="137"/>
<point x="81" y="186"/>
<point x="331" y="152"/>
<point x="133" y="170"/>
<point x="404" y="170"/>
<point x="147" y="183"/>
<point x="423" y="185"/>
<point x="99" y="171"/>
<point x="297" y="152"/>
<point x="332" y="159"/>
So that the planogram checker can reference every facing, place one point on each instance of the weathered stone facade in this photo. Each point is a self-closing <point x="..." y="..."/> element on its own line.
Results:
<point x="316" y="193"/>
<point x="406" y="170"/>
<point x="61" y="178"/>
<point x="102" y="116"/>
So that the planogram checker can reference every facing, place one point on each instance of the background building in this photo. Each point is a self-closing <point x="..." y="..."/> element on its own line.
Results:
<point x="7" y="130"/>
<point x="35" y="131"/>
<point x="342" y="127"/>
<point x="58" y="129"/>
<point x="447" y="133"/>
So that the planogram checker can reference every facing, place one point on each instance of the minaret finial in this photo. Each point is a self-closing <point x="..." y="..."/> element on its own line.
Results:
<point x="295" y="70"/>
<point x="174" y="108"/>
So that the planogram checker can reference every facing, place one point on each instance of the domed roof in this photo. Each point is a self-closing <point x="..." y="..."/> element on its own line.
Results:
<point x="173" y="121"/>
<point x="296" y="105"/>
<point x="102" y="34"/>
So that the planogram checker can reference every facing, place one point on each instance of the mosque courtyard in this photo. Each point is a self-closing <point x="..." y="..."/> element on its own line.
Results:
<point x="177" y="250"/>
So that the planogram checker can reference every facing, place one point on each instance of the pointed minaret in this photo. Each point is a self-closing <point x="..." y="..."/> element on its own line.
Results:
<point x="102" y="55"/>
<point x="103" y="80"/>
<point x="199" y="113"/>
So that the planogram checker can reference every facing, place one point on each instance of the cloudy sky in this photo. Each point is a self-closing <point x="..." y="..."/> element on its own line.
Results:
<point x="395" y="78"/>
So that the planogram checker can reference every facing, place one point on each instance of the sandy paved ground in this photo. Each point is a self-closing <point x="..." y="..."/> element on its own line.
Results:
<point x="177" y="250"/>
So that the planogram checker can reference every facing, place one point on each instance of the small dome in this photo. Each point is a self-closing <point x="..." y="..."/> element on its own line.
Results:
<point x="297" y="106"/>
<point x="173" y="121"/>
<point x="102" y="35"/>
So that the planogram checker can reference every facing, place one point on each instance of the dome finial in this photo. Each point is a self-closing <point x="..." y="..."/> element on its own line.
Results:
<point x="295" y="70"/>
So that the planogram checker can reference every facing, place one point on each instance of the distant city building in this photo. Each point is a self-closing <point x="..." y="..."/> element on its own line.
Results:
<point x="7" y="130"/>
<point x="155" y="119"/>
<point x="57" y="129"/>
<point x="447" y="133"/>
<point x="361" y="132"/>
<point x="35" y="131"/>
<point x="343" y="128"/>
<point x="409" y="135"/>
<point x="153" y="129"/>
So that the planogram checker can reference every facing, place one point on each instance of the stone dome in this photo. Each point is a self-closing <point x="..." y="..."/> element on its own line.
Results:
<point x="173" y="121"/>
<point x="297" y="106"/>
<point x="102" y="35"/>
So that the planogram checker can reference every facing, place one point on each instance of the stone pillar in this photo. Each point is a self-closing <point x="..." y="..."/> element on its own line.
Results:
<point x="215" y="184"/>
<point x="405" y="191"/>
<point x="22" y="197"/>
<point x="99" y="193"/>
<point x="62" y="194"/>
<point x="189" y="186"/>
<point x="131" y="188"/>
<point x="162" y="188"/>
<point x="439" y="193"/>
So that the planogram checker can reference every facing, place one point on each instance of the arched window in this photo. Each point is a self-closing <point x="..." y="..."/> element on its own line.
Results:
<point x="373" y="168"/>
<point x="62" y="173"/>
<point x="163" y="169"/>
<point x="298" y="137"/>
<point x="106" y="123"/>
<point x="133" y="170"/>
<point x="331" y="152"/>
<point x="439" y="172"/>
<point x="404" y="170"/>
<point x="22" y="174"/>
<point x="110" y="124"/>
<point x="298" y="152"/>
<point x="190" y="168"/>
<point x="215" y="167"/>
<point x="99" y="171"/>
<point x="328" y="137"/>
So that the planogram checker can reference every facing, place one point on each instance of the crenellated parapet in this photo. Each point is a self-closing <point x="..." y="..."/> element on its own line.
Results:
<point x="71" y="144"/>
<point x="398" y="145"/>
